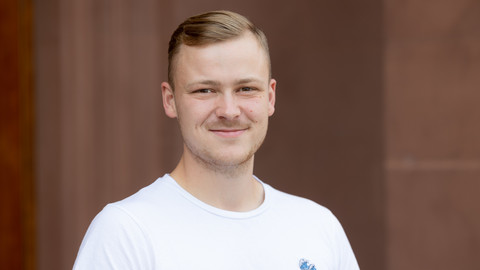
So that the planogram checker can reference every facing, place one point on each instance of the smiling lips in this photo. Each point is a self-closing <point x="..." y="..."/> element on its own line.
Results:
<point x="228" y="133"/>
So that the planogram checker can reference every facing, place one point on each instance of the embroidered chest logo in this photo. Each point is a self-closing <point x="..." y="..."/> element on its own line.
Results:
<point x="306" y="265"/>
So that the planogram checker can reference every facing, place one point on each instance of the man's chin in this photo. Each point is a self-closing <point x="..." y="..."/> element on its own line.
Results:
<point x="224" y="158"/>
<point x="229" y="162"/>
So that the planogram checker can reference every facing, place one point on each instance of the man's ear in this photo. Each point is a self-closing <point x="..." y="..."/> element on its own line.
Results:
<point x="271" y="96"/>
<point x="168" y="98"/>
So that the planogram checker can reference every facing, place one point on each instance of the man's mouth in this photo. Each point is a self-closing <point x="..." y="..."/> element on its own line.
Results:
<point x="228" y="132"/>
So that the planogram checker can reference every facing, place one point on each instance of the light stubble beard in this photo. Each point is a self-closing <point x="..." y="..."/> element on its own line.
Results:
<point x="219" y="166"/>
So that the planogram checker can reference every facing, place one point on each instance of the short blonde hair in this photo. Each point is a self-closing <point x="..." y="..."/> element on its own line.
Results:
<point x="212" y="27"/>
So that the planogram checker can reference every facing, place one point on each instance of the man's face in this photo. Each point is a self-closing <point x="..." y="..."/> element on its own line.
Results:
<point x="223" y="97"/>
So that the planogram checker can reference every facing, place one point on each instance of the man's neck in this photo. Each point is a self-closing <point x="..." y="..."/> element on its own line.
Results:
<point x="232" y="189"/>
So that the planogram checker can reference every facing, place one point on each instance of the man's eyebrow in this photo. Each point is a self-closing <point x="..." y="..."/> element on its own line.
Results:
<point x="216" y="83"/>
<point x="248" y="80"/>
<point x="203" y="82"/>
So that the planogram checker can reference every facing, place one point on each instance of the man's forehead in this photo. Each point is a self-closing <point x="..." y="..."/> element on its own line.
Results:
<point x="246" y="40"/>
<point x="242" y="58"/>
<point x="238" y="81"/>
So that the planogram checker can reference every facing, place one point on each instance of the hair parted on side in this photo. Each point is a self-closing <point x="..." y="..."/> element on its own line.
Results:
<point x="211" y="27"/>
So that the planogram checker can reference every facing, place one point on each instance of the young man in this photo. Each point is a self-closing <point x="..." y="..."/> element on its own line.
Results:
<point x="211" y="212"/>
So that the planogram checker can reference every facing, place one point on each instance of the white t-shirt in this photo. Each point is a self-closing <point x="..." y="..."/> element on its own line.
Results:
<point x="164" y="227"/>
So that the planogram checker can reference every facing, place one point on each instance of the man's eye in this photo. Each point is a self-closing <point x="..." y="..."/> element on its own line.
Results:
<point x="246" y="89"/>
<point x="203" y="91"/>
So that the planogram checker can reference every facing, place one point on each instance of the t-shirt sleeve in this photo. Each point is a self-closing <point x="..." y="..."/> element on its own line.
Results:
<point x="345" y="257"/>
<point x="115" y="240"/>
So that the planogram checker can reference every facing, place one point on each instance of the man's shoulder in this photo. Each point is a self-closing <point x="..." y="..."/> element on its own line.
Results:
<point x="153" y="197"/>
<point x="295" y="203"/>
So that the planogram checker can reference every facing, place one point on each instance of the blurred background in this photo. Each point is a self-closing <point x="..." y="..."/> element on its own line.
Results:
<point x="377" y="118"/>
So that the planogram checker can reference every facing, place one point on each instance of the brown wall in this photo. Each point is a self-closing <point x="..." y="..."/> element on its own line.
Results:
<point x="375" y="118"/>
<point x="432" y="91"/>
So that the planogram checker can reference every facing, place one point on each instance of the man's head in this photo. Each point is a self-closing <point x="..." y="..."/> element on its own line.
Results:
<point x="224" y="93"/>
<point x="208" y="28"/>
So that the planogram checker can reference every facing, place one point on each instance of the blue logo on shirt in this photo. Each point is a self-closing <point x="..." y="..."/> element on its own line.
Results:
<point x="306" y="265"/>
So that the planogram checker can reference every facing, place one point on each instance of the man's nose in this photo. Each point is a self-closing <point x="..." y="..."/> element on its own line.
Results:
<point x="227" y="106"/>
